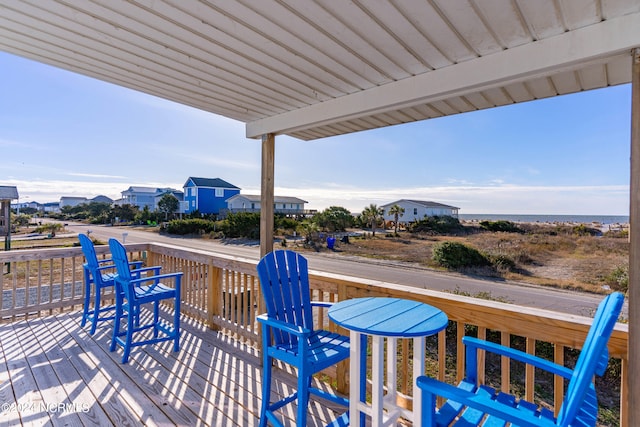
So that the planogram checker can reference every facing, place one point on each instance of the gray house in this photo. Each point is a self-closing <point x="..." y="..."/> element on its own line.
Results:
<point x="7" y="194"/>
<point x="415" y="210"/>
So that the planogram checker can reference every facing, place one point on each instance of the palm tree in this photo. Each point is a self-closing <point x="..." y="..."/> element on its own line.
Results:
<point x="397" y="211"/>
<point x="371" y="215"/>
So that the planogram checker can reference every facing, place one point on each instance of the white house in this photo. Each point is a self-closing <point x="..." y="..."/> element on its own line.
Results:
<point x="145" y="196"/>
<point x="251" y="203"/>
<point x="72" y="201"/>
<point x="415" y="210"/>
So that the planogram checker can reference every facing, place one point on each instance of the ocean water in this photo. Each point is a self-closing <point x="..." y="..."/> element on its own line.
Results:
<point x="584" y="219"/>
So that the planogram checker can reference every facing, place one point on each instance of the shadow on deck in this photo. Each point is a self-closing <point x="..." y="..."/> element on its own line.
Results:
<point x="52" y="372"/>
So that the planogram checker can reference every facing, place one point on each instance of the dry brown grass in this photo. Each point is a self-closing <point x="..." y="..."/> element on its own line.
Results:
<point x="544" y="256"/>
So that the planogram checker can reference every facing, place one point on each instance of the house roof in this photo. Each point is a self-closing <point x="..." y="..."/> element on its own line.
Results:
<point x="136" y="189"/>
<point x="8" y="192"/>
<point x="424" y="203"/>
<point x="312" y="69"/>
<point x="154" y="190"/>
<point x="102" y="199"/>
<point x="72" y="198"/>
<point x="276" y="199"/>
<point x="210" y="182"/>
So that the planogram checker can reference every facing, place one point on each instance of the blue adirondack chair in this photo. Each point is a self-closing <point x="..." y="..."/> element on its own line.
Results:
<point x="132" y="293"/>
<point x="100" y="273"/>
<point x="477" y="404"/>
<point x="288" y="335"/>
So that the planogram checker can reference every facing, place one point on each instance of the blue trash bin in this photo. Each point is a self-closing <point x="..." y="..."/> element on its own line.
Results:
<point x="330" y="242"/>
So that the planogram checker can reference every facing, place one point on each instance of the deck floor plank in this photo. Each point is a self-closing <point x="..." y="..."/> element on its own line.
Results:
<point x="44" y="366"/>
<point x="214" y="380"/>
<point x="130" y="397"/>
<point x="9" y="347"/>
<point x="46" y="331"/>
<point x="25" y="388"/>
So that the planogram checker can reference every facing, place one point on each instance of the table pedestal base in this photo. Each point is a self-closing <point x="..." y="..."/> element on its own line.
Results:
<point x="383" y="410"/>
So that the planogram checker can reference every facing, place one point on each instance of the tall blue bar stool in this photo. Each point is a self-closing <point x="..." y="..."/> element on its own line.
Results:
<point x="131" y="294"/>
<point x="100" y="273"/>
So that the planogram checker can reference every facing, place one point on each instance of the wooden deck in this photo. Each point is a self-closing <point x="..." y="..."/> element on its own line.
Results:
<point x="52" y="372"/>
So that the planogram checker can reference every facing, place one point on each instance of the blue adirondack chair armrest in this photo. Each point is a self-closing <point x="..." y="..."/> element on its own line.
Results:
<point x="156" y="270"/>
<point x="134" y="264"/>
<point x="298" y="331"/>
<point x="321" y="304"/>
<point x="106" y="267"/>
<point x="156" y="278"/>
<point x="520" y="417"/>
<point x="475" y="344"/>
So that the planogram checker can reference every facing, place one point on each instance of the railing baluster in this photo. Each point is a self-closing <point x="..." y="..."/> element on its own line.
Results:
<point x="558" y="381"/>
<point x="482" y="356"/>
<point x="459" y="352"/>
<point x="27" y="280"/>
<point x="505" y="364"/>
<point x="529" y="381"/>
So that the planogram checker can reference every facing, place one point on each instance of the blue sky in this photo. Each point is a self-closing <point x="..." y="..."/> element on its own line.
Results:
<point x="63" y="134"/>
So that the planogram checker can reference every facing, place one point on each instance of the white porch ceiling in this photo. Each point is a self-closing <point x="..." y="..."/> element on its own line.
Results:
<point x="312" y="69"/>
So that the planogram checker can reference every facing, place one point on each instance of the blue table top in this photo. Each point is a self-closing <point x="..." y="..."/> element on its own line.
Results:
<point x="390" y="317"/>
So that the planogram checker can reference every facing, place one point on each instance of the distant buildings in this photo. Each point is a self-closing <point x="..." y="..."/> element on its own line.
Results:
<point x="215" y="196"/>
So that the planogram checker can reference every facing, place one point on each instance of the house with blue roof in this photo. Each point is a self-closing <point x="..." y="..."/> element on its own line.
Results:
<point x="207" y="195"/>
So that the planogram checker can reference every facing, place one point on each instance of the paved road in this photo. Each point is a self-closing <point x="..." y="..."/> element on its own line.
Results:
<point x="401" y="273"/>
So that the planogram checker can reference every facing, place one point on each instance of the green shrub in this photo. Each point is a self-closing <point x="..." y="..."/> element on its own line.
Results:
<point x="505" y="226"/>
<point x="190" y="226"/>
<point x="436" y="225"/>
<point x="243" y="224"/>
<point x="583" y="230"/>
<point x="502" y="262"/>
<point x="618" y="279"/>
<point x="454" y="255"/>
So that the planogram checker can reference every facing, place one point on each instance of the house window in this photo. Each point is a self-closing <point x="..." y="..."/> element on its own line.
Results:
<point x="253" y="205"/>
<point x="219" y="192"/>
<point x="415" y="211"/>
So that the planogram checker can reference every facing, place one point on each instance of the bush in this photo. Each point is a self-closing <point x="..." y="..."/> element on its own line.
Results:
<point x="502" y="262"/>
<point x="243" y="224"/>
<point x="583" y="230"/>
<point x="436" y="225"/>
<point x="505" y="226"/>
<point x="618" y="279"/>
<point x="454" y="255"/>
<point x="190" y="226"/>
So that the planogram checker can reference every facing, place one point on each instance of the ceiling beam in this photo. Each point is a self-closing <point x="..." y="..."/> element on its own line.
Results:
<point x="594" y="43"/>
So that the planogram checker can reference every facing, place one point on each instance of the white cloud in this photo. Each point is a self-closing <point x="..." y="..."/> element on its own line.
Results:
<point x="94" y="175"/>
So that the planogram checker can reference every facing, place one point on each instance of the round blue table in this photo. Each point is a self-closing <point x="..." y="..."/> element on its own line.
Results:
<point x="390" y="319"/>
